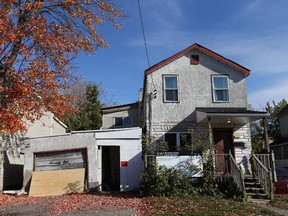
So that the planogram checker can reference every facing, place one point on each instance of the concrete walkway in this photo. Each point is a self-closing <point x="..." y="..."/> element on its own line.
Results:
<point x="276" y="210"/>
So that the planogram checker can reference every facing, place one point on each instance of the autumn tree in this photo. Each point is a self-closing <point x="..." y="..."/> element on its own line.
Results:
<point x="273" y="126"/>
<point x="88" y="116"/>
<point x="38" y="41"/>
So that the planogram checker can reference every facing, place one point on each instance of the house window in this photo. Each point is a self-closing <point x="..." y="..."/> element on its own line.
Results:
<point x="220" y="88"/>
<point x="123" y="121"/>
<point x="178" y="141"/>
<point x="171" y="139"/>
<point x="170" y="88"/>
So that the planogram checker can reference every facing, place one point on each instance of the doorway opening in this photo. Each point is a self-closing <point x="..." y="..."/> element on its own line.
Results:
<point x="223" y="140"/>
<point x="110" y="168"/>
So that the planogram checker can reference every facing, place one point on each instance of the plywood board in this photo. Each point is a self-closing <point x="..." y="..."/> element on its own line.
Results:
<point x="57" y="182"/>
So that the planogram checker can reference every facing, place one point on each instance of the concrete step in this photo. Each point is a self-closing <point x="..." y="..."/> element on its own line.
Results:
<point x="259" y="201"/>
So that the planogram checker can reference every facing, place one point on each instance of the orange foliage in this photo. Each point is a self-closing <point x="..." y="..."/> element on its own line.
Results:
<point x="38" y="41"/>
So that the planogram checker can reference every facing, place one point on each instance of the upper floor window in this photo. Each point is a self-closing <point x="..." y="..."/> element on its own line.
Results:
<point x="170" y="88"/>
<point x="123" y="121"/>
<point x="220" y="88"/>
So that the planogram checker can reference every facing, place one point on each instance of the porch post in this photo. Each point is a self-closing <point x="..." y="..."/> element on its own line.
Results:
<point x="266" y="134"/>
<point x="210" y="133"/>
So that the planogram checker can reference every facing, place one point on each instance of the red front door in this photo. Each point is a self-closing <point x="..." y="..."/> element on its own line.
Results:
<point x="223" y="140"/>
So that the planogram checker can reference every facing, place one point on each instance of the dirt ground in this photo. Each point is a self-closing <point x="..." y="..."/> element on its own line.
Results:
<point x="76" y="204"/>
<point x="29" y="210"/>
<point x="99" y="204"/>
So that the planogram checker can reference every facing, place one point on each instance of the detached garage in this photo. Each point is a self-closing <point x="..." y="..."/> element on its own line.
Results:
<point x="96" y="160"/>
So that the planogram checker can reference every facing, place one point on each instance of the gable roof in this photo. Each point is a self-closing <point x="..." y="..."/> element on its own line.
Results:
<point x="204" y="50"/>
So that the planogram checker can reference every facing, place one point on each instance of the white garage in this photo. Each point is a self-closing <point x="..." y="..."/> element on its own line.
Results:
<point x="110" y="159"/>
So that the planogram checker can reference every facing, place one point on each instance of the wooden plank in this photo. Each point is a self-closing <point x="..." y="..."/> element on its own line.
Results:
<point x="60" y="160"/>
<point x="57" y="182"/>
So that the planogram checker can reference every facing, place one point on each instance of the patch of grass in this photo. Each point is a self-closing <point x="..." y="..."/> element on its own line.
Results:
<point x="281" y="201"/>
<point x="202" y="205"/>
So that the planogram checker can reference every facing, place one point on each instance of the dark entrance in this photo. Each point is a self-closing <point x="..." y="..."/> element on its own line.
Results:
<point x="223" y="140"/>
<point x="110" y="168"/>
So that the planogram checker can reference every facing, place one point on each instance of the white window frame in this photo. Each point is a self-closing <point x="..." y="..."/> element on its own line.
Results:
<point x="164" y="88"/>
<point x="214" y="89"/>
<point x="123" y="121"/>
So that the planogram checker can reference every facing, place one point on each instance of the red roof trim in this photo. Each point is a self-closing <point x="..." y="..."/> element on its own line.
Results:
<point x="205" y="51"/>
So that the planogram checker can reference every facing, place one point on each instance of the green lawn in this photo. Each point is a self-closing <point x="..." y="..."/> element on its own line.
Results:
<point x="202" y="205"/>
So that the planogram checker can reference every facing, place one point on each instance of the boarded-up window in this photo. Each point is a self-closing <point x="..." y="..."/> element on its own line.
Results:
<point x="194" y="59"/>
<point x="60" y="160"/>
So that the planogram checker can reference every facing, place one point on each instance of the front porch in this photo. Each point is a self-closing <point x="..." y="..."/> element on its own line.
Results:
<point x="232" y="150"/>
<point x="254" y="186"/>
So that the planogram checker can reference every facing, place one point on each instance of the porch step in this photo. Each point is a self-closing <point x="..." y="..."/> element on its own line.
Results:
<point x="254" y="189"/>
<point x="259" y="201"/>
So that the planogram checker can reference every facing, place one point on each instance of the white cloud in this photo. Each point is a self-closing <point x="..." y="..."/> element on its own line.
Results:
<point x="263" y="56"/>
<point x="276" y="91"/>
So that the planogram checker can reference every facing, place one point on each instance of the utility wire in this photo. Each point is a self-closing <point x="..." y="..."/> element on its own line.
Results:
<point x="143" y="32"/>
<point x="154" y="93"/>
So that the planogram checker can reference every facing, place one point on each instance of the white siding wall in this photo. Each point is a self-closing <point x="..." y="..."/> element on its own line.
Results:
<point x="109" y="122"/>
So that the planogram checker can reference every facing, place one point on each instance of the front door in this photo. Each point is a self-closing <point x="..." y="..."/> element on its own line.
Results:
<point x="223" y="140"/>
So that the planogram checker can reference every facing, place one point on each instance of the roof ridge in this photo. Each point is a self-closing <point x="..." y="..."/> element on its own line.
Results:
<point x="202" y="49"/>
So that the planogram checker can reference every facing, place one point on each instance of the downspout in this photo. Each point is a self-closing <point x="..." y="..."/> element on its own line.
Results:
<point x="210" y="133"/>
<point x="150" y="113"/>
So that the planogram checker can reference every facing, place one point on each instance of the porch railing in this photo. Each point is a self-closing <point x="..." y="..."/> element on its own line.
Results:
<point x="237" y="175"/>
<point x="226" y="167"/>
<point x="268" y="160"/>
<point x="262" y="173"/>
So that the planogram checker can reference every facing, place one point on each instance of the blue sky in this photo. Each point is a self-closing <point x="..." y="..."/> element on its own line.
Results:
<point x="253" y="33"/>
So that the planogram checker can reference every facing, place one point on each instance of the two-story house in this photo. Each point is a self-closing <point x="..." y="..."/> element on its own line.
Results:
<point x="199" y="91"/>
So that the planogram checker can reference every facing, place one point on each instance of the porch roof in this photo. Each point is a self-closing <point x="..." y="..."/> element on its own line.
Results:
<point x="228" y="115"/>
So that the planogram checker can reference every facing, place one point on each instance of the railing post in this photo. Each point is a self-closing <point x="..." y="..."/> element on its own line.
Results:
<point x="243" y="184"/>
<point x="271" y="187"/>
<point x="273" y="166"/>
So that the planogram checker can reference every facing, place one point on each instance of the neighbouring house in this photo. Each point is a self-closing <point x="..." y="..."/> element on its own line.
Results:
<point x="11" y="166"/>
<point x="122" y="116"/>
<point x="110" y="160"/>
<point x="280" y="148"/>
<point x="198" y="90"/>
